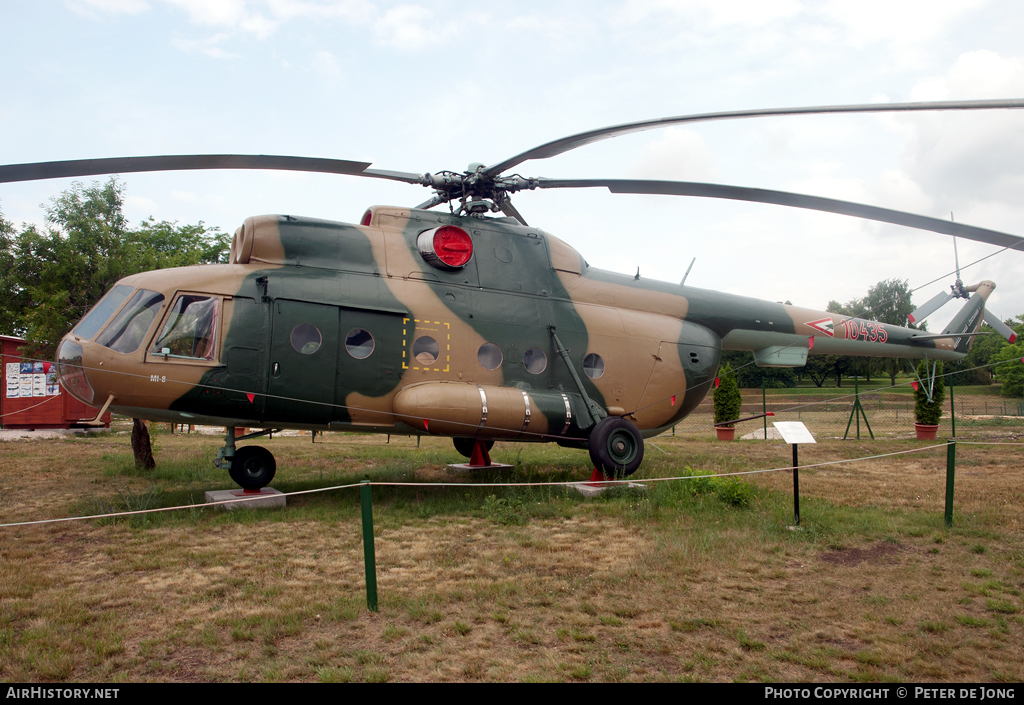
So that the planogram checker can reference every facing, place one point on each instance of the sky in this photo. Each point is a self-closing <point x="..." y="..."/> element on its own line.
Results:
<point x="436" y="86"/>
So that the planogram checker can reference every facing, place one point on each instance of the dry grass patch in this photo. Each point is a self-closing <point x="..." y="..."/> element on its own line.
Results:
<point x="480" y="584"/>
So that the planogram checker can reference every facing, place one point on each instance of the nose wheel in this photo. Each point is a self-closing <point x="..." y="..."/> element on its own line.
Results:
<point x="616" y="447"/>
<point x="253" y="467"/>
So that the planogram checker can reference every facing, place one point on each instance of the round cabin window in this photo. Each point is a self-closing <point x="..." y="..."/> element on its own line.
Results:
<point x="306" y="339"/>
<point x="425" y="350"/>
<point x="535" y="361"/>
<point x="593" y="366"/>
<point x="359" y="343"/>
<point x="489" y="356"/>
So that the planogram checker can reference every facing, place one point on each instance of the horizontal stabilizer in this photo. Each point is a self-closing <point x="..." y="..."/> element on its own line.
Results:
<point x="936" y="336"/>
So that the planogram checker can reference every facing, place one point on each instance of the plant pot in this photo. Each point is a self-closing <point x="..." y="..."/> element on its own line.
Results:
<point x="727" y="433"/>
<point x="926" y="431"/>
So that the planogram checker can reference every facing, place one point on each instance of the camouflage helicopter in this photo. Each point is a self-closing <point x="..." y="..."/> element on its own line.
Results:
<point x="463" y="324"/>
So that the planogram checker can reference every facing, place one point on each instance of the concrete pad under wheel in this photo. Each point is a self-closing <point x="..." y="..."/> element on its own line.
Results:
<point x="592" y="489"/>
<point x="266" y="497"/>
<point x="467" y="466"/>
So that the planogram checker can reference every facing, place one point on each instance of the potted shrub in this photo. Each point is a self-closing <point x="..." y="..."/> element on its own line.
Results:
<point x="727" y="402"/>
<point x="927" y="412"/>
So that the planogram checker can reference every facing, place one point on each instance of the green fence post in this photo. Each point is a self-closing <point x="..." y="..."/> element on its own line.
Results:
<point x="950" y="473"/>
<point x="764" y="409"/>
<point x="369" y="559"/>
<point x="952" y="406"/>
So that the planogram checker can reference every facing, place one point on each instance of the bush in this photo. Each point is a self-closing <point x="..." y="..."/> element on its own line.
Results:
<point x="929" y="412"/>
<point x="727" y="398"/>
<point x="728" y="490"/>
<point x="1011" y="373"/>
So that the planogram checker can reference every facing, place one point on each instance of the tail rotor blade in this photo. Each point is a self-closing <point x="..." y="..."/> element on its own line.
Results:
<point x="929" y="307"/>
<point x="1001" y="328"/>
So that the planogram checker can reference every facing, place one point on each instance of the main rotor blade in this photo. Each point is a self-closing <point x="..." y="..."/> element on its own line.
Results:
<point x="565" y="144"/>
<point x="795" y="200"/>
<point x="179" y="162"/>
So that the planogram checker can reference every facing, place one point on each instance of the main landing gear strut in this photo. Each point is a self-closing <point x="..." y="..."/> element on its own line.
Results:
<point x="252" y="467"/>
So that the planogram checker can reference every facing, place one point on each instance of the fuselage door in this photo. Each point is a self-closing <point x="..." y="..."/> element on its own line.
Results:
<point x="303" y="361"/>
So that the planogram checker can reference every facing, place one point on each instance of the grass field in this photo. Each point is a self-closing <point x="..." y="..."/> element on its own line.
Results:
<point x="694" y="580"/>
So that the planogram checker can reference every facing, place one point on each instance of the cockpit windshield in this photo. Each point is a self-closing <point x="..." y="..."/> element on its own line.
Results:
<point x="128" y="329"/>
<point x="99" y="314"/>
<point x="191" y="329"/>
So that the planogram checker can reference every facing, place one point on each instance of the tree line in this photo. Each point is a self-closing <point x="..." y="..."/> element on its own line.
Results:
<point x="51" y="276"/>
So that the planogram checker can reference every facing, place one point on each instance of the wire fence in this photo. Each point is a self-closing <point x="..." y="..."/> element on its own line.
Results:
<point x="888" y="414"/>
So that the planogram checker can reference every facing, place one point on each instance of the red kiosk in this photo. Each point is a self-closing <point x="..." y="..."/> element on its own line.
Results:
<point x="32" y="398"/>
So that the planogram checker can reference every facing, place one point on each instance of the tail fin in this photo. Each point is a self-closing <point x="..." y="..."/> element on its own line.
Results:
<point x="969" y="319"/>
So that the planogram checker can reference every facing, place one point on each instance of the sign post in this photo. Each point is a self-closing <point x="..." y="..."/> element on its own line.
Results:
<point x="795" y="433"/>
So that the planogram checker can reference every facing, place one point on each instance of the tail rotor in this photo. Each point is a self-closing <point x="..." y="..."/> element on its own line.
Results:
<point x="957" y="290"/>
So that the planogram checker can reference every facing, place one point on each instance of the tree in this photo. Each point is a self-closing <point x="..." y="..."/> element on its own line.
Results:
<point x="11" y="294"/>
<point x="818" y="367"/>
<point x="727" y="398"/>
<point x="888" y="301"/>
<point x="973" y="369"/>
<point x="52" y="277"/>
<point x="929" y="411"/>
<point x="1011" y="371"/>
<point x="63" y="271"/>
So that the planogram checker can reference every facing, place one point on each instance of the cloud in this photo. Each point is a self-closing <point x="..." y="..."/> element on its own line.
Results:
<point x="717" y="13"/>
<point x="233" y="14"/>
<point x="404" y="27"/>
<point x="905" y="22"/>
<point x="326" y="66"/>
<point x="110" y="6"/>
<point x="119" y="7"/>
<point x="680" y="155"/>
<point x="208" y="46"/>
<point x="975" y="74"/>
<point x="969" y="156"/>
<point x="907" y="28"/>
<point x="356" y="11"/>
<point x="895" y="189"/>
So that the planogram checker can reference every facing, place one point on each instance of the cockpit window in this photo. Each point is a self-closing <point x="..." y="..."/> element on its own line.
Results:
<point x="191" y="329"/>
<point x="102" y="311"/>
<point x="128" y="329"/>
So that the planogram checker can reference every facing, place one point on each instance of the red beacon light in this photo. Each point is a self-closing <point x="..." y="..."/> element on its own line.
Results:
<point x="447" y="247"/>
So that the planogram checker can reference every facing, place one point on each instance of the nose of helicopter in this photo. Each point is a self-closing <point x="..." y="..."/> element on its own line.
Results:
<point x="71" y="370"/>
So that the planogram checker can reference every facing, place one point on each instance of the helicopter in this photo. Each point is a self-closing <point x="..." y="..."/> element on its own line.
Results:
<point x="466" y="323"/>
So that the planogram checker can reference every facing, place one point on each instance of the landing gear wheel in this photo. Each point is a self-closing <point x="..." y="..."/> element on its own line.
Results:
<point x="253" y="467"/>
<point x="465" y="446"/>
<point x="616" y="447"/>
